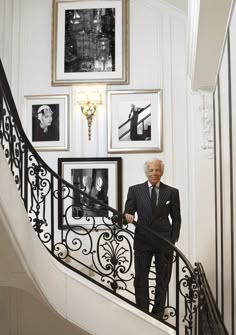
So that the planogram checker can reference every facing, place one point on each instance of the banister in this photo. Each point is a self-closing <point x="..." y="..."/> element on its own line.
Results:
<point x="100" y="250"/>
<point x="210" y="318"/>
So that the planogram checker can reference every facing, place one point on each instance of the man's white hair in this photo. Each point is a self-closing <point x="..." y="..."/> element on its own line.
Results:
<point x="152" y="160"/>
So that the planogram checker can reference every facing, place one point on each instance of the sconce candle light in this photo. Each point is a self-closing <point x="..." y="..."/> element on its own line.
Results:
<point x="89" y="104"/>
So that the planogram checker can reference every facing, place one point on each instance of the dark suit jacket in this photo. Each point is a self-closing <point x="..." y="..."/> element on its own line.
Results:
<point x="166" y="220"/>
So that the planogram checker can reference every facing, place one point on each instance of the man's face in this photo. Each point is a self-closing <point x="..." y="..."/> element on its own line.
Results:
<point x="46" y="118"/>
<point x="154" y="172"/>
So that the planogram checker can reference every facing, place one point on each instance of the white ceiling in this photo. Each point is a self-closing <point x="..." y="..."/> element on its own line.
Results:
<point x="207" y="26"/>
<point x="180" y="4"/>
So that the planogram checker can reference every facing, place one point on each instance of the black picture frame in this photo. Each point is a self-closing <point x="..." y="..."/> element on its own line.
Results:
<point x="105" y="177"/>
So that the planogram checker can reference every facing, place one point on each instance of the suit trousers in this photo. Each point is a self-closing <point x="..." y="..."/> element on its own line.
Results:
<point x="163" y="267"/>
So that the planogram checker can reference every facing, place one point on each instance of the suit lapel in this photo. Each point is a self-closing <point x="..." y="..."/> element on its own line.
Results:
<point x="163" y="195"/>
<point x="146" y="194"/>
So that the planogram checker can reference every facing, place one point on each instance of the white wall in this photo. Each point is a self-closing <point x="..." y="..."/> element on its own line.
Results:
<point x="225" y="178"/>
<point x="233" y="88"/>
<point x="157" y="60"/>
<point x="23" y="314"/>
<point x="201" y="191"/>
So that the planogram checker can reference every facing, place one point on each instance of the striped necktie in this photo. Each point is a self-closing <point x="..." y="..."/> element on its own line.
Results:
<point x="153" y="198"/>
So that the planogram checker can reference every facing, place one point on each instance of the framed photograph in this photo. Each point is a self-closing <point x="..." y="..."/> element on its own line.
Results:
<point x="100" y="178"/>
<point x="47" y="121"/>
<point x="135" y="121"/>
<point x="90" y="41"/>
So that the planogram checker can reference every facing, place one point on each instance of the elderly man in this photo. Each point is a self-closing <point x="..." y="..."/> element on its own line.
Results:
<point x="158" y="207"/>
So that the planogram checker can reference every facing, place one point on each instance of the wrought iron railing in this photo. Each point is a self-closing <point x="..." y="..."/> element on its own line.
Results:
<point x="92" y="239"/>
<point x="210" y="319"/>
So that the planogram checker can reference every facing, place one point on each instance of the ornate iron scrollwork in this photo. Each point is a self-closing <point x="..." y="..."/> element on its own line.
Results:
<point x="93" y="240"/>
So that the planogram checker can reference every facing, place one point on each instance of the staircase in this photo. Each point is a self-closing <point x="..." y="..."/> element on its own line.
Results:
<point x="84" y="271"/>
<point x="73" y="297"/>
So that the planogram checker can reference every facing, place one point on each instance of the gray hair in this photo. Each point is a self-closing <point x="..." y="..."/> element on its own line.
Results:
<point x="152" y="160"/>
<point x="43" y="108"/>
<point x="41" y="111"/>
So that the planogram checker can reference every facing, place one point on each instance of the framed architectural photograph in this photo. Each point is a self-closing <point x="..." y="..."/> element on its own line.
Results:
<point x="98" y="177"/>
<point x="90" y="41"/>
<point x="47" y="121"/>
<point x="135" y="121"/>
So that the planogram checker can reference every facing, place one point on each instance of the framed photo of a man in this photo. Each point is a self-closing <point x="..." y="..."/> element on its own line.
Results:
<point x="47" y="121"/>
<point x="135" y="121"/>
<point x="90" y="41"/>
<point x="100" y="178"/>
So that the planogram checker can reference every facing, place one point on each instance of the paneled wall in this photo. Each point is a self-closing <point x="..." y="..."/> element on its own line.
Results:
<point x="157" y="60"/>
<point x="225" y="152"/>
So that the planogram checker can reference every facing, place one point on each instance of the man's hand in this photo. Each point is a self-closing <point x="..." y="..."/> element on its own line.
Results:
<point x="129" y="218"/>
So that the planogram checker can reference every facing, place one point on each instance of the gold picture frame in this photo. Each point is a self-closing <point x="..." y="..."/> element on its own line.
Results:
<point x="90" y="42"/>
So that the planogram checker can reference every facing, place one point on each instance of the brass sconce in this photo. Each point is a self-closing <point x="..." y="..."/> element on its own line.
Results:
<point x="89" y="104"/>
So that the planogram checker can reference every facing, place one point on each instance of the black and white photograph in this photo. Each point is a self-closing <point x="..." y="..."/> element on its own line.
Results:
<point x="100" y="178"/>
<point x="134" y="121"/>
<point x="47" y="121"/>
<point x="89" y="41"/>
<point x="93" y="182"/>
<point x="137" y="127"/>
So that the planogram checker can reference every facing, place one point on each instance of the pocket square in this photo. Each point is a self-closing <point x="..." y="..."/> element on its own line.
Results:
<point x="167" y="202"/>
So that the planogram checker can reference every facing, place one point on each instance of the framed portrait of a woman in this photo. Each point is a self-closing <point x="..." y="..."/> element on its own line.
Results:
<point x="47" y="121"/>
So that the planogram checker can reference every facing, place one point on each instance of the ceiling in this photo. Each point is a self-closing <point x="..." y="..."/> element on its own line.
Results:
<point x="207" y="27"/>
<point x="180" y="4"/>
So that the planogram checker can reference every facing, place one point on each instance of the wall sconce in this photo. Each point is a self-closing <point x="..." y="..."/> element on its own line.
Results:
<point x="89" y="104"/>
